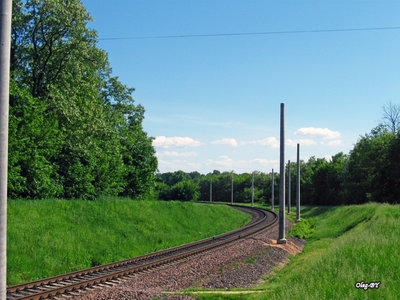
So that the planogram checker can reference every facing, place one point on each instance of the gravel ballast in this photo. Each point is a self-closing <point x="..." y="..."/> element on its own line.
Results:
<point x="240" y="264"/>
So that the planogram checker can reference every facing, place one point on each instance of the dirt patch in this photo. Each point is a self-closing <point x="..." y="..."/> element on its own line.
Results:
<point x="292" y="247"/>
<point x="248" y="271"/>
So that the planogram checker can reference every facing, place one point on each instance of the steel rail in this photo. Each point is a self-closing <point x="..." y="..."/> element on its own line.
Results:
<point x="70" y="282"/>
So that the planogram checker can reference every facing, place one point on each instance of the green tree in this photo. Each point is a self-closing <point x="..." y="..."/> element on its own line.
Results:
<point x="222" y="187"/>
<point x="240" y="183"/>
<point x="172" y="178"/>
<point x="102" y="148"/>
<point x="138" y="156"/>
<point x="368" y="167"/>
<point x="162" y="191"/>
<point x="195" y="176"/>
<point x="393" y="171"/>
<point x="33" y="148"/>
<point x="262" y="187"/>
<point x="204" y="187"/>
<point x="327" y="180"/>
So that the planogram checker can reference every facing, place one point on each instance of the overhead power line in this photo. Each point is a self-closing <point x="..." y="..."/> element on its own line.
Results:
<point x="249" y="33"/>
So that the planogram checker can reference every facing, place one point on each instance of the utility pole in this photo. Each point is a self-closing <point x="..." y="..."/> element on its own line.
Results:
<point x="252" y="191"/>
<point x="272" y="190"/>
<point x="281" y="238"/>
<point x="232" y="190"/>
<point x="298" y="185"/>
<point x="5" y="42"/>
<point x="289" y="189"/>
<point x="211" y="190"/>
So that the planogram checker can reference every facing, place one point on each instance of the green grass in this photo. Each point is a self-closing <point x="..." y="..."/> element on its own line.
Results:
<point x="350" y="244"/>
<point x="304" y="229"/>
<point x="52" y="236"/>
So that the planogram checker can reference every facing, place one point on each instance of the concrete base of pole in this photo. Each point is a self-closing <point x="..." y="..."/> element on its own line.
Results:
<point x="298" y="220"/>
<point x="282" y="241"/>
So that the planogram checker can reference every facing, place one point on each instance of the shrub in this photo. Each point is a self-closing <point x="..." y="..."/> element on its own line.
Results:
<point x="185" y="191"/>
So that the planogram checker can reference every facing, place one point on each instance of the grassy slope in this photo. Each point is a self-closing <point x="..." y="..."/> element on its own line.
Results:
<point x="350" y="244"/>
<point x="50" y="237"/>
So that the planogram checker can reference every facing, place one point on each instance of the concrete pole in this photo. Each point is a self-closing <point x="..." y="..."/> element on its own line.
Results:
<point x="5" y="42"/>
<point x="252" y="190"/>
<point x="211" y="190"/>
<point x="298" y="185"/>
<point x="232" y="190"/>
<point x="272" y="190"/>
<point x="289" y="189"/>
<point x="281" y="238"/>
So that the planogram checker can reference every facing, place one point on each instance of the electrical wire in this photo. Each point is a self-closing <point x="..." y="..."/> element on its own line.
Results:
<point x="249" y="33"/>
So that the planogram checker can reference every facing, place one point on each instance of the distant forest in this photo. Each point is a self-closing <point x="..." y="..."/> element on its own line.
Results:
<point x="371" y="172"/>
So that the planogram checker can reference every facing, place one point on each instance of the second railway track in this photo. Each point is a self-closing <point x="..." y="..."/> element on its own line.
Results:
<point x="75" y="281"/>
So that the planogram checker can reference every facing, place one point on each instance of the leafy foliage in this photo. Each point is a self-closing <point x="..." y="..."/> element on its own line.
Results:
<point x="303" y="229"/>
<point x="371" y="168"/>
<point x="74" y="128"/>
<point x="185" y="191"/>
<point x="33" y="146"/>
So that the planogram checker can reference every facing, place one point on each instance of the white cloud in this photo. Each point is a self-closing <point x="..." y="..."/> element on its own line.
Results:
<point x="269" y="142"/>
<point x="264" y="162"/>
<point x="225" y="163"/>
<point x="224" y="160"/>
<point x="226" y="141"/>
<point x="177" y="141"/>
<point x="176" y="154"/>
<point x="302" y="142"/>
<point x="177" y="164"/>
<point x="318" y="132"/>
<point x="335" y="143"/>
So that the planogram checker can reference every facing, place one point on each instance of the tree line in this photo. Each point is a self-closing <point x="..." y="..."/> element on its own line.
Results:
<point x="370" y="172"/>
<point x="74" y="129"/>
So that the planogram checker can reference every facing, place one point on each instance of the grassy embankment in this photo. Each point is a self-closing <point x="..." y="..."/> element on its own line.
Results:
<point x="50" y="237"/>
<point x="345" y="245"/>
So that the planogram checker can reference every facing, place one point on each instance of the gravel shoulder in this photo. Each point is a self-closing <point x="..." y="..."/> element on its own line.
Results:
<point x="241" y="264"/>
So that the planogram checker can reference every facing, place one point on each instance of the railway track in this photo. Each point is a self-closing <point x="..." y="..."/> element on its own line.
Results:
<point x="71" y="282"/>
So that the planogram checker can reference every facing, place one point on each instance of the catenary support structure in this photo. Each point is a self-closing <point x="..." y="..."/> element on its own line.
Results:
<point x="272" y="191"/>
<point x="289" y="190"/>
<point x="281" y="238"/>
<point x="5" y="42"/>
<point x="298" y="185"/>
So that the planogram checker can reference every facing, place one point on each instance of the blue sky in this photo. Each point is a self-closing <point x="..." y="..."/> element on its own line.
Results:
<point x="213" y="102"/>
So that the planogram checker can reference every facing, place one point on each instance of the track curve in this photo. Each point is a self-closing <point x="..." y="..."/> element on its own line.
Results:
<point x="70" y="282"/>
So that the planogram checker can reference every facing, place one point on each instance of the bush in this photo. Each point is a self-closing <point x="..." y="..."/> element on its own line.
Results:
<point x="163" y="191"/>
<point x="185" y="191"/>
<point x="303" y="229"/>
